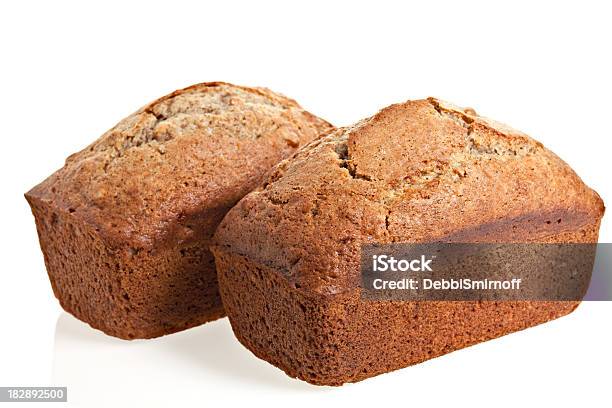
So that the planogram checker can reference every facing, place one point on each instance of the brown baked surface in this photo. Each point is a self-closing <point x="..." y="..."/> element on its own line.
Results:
<point x="288" y="257"/>
<point x="125" y="225"/>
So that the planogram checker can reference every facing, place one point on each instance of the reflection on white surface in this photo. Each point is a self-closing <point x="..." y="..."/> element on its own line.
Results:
<point x="206" y="366"/>
<point x="201" y="364"/>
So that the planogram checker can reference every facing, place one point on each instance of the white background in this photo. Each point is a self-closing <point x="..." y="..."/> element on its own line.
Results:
<point x="69" y="71"/>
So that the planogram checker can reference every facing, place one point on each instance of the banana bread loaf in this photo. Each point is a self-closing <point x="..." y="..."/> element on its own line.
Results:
<point x="125" y="225"/>
<point x="288" y="256"/>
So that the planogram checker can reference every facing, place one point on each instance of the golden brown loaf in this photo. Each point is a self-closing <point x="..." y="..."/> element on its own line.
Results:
<point x="125" y="224"/>
<point x="288" y="257"/>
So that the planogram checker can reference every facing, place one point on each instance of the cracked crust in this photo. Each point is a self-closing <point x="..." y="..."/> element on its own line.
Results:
<point x="126" y="223"/>
<point x="415" y="171"/>
<point x="194" y="150"/>
<point x="288" y="257"/>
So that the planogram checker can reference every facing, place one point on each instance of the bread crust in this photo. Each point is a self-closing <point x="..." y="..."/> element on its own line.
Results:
<point x="125" y="224"/>
<point x="288" y="256"/>
<point x="421" y="170"/>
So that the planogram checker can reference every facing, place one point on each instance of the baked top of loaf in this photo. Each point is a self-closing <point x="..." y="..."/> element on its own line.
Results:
<point x="417" y="171"/>
<point x="196" y="150"/>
